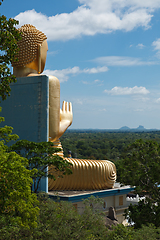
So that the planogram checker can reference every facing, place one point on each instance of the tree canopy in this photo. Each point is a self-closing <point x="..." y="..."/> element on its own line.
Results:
<point x="101" y="144"/>
<point x="140" y="167"/>
<point x="16" y="200"/>
<point x="41" y="156"/>
<point x="9" y="36"/>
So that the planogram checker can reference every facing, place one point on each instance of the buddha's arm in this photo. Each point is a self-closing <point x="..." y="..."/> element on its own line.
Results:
<point x="54" y="106"/>
<point x="59" y="120"/>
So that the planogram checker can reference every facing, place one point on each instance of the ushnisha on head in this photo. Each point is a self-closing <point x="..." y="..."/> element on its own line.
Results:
<point x="32" y="51"/>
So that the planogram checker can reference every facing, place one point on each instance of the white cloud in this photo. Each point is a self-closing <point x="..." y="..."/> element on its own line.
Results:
<point x="102" y="110"/>
<point x="78" y="101"/>
<point x="93" y="17"/>
<point x="157" y="100"/>
<point x="53" y="53"/>
<point x="140" y="46"/>
<point x="103" y="5"/>
<point x="95" y="70"/>
<point x="63" y="74"/>
<point x="156" y="45"/>
<point x="145" y="99"/>
<point x="141" y="98"/>
<point x="127" y="91"/>
<point x="97" y="82"/>
<point x="139" y="110"/>
<point x="85" y="82"/>
<point x="100" y="82"/>
<point x="122" y="61"/>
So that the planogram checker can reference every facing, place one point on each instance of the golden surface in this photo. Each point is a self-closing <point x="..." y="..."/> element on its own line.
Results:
<point x="28" y="45"/>
<point x="87" y="175"/>
<point x="31" y="57"/>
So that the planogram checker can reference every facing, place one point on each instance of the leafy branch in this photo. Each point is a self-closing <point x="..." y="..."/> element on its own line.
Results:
<point x="41" y="156"/>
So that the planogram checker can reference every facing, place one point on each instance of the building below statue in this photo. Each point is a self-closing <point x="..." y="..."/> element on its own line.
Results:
<point x="116" y="197"/>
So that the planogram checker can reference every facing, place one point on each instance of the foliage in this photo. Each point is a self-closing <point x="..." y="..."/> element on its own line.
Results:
<point x="66" y="223"/>
<point x="101" y="144"/>
<point x="17" y="204"/>
<point x="144" y="213"/>
<point x="41" y="156"/>
<point x="140" y="167"/>
<point x="149" y="232"/>
<point x="16" y="201"/>
<point x="6" y="132"/>
<point x="121" y="232"/>
<point x="59" y="220"/>
<point x="94" y="204"/>
<point x="9" y="36"/>
<point x="1" y="2"/>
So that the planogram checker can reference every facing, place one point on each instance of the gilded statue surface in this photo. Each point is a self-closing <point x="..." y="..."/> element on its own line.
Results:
<point x="87" y="174"/>
<point x="32" y="55"/>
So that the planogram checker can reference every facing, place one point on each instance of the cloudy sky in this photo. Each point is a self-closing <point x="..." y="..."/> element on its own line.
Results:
<point x="106" y="54"/>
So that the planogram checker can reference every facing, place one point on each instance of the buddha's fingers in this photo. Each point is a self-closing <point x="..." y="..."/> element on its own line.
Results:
<point x="70" y="107"/>
<point x="63" y="106"/>
<point x="66" y="107"/>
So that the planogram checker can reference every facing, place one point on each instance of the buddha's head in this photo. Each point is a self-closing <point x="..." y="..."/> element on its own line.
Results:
<point x="32" y="49"/>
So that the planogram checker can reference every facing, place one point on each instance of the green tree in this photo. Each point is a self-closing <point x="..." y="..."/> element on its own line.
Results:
<point x="149" y="232"/>
<point x="146" y="212"/>
<point x="140" y="167"/>
<point x="41" y="156"/>
<point x="9" y="36"/>
<point x="17" y="204"/>
<point x="16" y="201"/>
<point x="6" y="132"/>
<point x="59" y="220"/>
<point x="121" y="232"/>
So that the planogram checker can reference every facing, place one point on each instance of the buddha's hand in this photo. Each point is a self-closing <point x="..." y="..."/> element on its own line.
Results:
<point x="66" y="113"/>
<point x="66" y="117"/>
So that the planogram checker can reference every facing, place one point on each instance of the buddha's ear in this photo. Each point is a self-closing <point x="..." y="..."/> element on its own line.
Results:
<point x="39" y="58"/>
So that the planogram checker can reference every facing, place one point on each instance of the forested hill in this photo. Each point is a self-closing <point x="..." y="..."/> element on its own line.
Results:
<point x="101" y="144"/>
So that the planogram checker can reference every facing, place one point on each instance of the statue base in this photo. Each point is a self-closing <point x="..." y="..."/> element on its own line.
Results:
<point x="27" y="111"/>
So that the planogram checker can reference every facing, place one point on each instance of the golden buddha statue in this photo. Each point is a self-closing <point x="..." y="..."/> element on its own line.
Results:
<point x="31" y="57"/>
<point x="87" y="174"/>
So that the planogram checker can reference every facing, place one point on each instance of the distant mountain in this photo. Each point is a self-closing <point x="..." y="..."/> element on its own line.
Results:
<point x="141" y="127"/>
<point x="125" y="128"/>
<point x="138" y="129"/>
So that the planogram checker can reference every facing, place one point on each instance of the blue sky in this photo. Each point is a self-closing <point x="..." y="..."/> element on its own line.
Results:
<point x="106" y="54"/>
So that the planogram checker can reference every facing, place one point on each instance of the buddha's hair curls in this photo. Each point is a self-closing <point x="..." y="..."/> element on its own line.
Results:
<point x="28" y="45"/>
